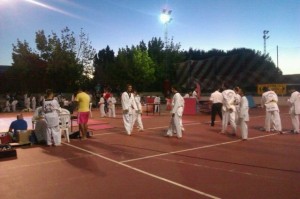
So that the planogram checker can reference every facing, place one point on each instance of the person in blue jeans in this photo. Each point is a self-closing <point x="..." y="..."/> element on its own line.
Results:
<point x="19" y="124"/>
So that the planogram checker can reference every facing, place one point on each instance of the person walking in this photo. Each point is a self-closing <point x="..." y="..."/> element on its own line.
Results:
<point x="128" y="107"/>
<point x="175" y="126"/>
<point x="229" y="110"/>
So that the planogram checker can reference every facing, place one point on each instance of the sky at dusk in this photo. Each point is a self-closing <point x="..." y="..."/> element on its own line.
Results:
<point x="197" y="24"/>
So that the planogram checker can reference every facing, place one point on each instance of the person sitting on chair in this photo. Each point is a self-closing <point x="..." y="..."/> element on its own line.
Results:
<point x="19" y="124"/>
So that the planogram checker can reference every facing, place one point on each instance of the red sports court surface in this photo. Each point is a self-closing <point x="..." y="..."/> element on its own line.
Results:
<point x="147" y="165"/>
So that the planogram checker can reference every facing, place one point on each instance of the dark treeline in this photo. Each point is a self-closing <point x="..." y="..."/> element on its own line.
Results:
<point x="62" y="62"/>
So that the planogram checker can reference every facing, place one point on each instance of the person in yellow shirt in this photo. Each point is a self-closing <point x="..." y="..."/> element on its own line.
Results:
<point x="82" y="100"/>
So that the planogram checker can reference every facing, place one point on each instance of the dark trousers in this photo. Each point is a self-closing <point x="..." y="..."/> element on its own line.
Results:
<point x="216" y="108"/>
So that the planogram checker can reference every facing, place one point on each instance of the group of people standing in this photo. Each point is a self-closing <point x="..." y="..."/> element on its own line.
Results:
<point x="107" y="104"/>
<point x="230" y="104"/>
<point x="269" y="101"/>
<point x="11" y="103"/>
<point x="48" y="117"/>
<point x="233" y="108"/>
<point x="132" y="112"/>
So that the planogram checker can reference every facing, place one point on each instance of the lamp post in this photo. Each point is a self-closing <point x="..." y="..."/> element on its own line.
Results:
<point x="265" y="32"/>
<point x="165" y="18"/>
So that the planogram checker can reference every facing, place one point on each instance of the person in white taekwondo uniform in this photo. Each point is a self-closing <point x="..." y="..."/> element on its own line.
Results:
<point x="243" y="115"/>
<point x="128" y="107"/>
<point x="294" y="111"/>
<point x="228" y="110"/>
<point x="237" y="102"/>
<point x="111" y="106"/>
<point x="177" y="112"/>
<point x="269" y="101"/>
<point x="33" y="103"/>
<point x="101" y="106"/>
<point x="14" y="105"/>
<point x="51" y="113"/>
<point x="137" y="116"/>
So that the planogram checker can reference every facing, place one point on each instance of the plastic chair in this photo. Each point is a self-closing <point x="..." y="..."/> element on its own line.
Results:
<point x="65" y="124"/>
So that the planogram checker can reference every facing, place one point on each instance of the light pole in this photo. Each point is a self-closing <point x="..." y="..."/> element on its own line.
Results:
<point x="265" y="32"/>
<point x="165" y="18"/>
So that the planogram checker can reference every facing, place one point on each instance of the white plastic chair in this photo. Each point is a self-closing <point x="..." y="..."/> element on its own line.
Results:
<point x="65" y="124"/>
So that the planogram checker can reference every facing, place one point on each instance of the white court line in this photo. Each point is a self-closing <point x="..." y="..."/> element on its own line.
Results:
<point x="195" y="123"/>
<point x="161" y="178"/>
<point x="185" y="124"/>
<point x="145" y="172"/>
<point x="202" y="147"/>
<point x="102" y="134"/>
<point x="196" y="148"/>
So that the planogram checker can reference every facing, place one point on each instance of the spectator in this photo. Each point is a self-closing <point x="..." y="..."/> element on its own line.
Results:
<point x="82" y="101"/>
<point x="15" y="126"/>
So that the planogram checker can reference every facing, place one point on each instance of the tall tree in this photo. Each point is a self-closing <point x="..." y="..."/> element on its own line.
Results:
<point x="103" y="64"/>
<point x="64" y="69"/>
<point x="85" y="54"/>
<point x="157" y="54"/>
<point x="143" y="69"/>
<point x="27" y="71"/>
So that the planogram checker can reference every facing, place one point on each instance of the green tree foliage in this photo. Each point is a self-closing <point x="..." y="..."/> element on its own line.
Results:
<point x="85" y="54"/>
<point x="136" y="67"/>
<point x="27" y="71"/>
<point x="143" y="69"/>
<point x="173" y="57"/>
<point x="157" y="54"/>
<point x="64" y="69"/>
<point x="131" y="65"/>
<point x="59" y="62"/>
<point x="104" y="67"/>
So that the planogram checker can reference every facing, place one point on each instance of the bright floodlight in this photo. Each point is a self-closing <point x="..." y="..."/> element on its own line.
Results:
<point x="165" y="18"/>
